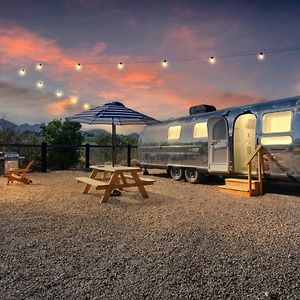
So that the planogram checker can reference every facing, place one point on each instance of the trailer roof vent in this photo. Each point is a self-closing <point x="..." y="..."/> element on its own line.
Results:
<point x="200" y="109"/>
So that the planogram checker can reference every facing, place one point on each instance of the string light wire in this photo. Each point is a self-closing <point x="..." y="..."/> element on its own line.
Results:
<point x="182" y="59"/>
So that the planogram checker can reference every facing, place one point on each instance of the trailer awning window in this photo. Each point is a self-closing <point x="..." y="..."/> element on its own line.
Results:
<point x="276" y="140"/>
<point x="277" y="122"/>
<point x="200" y="130"/>
<point x="174" y="132"/>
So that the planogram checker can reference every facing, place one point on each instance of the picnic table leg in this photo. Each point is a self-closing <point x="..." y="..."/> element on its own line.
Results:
<point x="88" y="186"/>
<point x="122" y="180"/>
<point x="139" y="184"/>
<point x="108" y="190"/>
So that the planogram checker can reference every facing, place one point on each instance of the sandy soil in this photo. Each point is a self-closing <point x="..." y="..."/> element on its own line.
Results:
<point x="184" y="242"/>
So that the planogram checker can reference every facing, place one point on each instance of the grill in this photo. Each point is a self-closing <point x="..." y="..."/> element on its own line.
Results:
<point x="8" y="160"/>
<point x="9" y="155"/>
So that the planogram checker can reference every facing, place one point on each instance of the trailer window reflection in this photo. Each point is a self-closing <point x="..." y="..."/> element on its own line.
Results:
<point x="174" y="132"/>
<point x="277" y="122"/>
<point x="276" y="140"/>
<point x="200" y="130"/>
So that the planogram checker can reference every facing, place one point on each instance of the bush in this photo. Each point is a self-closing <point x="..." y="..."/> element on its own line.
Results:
<point x="62" y="133"/>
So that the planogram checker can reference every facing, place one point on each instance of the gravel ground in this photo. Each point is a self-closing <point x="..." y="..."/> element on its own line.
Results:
<point x="184" y="242"/>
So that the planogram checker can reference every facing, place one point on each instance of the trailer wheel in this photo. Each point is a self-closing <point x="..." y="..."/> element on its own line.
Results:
<point x="192" y="175"/>
<point x="176" y="173"/>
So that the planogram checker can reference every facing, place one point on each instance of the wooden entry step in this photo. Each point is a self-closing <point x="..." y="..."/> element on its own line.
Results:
<point x="239" y="187"/>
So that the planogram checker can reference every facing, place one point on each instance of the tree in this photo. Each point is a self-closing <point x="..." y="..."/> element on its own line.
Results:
<point x="62" y="133"/>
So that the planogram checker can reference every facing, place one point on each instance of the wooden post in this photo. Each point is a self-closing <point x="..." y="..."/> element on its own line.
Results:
<point x="113" y="143"/>
<point x="87" y="155"/>
<point x="128" y="155"/>
<point x="259" y="172"/>
<point x="250" y="178"/>
<point x="44" y="156"/>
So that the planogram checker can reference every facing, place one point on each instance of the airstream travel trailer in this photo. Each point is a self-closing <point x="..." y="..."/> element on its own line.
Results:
<point x="210" y="141"/>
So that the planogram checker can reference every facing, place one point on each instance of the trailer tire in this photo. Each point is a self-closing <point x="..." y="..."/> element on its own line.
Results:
<point x="176" y="173"/>
<point x="192" y="175"/>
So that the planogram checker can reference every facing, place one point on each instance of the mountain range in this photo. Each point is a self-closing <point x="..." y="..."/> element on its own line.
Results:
<point x="7" y="125"/>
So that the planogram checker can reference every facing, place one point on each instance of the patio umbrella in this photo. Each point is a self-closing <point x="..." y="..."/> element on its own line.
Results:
<point x="114" y="113"/>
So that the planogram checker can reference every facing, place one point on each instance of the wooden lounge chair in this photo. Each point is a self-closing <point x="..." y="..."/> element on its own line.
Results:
<point x="19" y="174"/>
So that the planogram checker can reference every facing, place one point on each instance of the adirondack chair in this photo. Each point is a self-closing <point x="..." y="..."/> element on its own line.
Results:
<point x="19" y="174"/>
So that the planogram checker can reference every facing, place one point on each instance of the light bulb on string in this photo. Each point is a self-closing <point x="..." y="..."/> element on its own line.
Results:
<point x="22" y="72"/>
<point x="261" y="55"/>
<point x="86" y="106"/>
<point x="40" y="84"/>
<point x="59" y="93"/>
<point x="212" y="60"/>
<point x="120" y="65"/>
<point x="39" y="67"/>
<point x="78" y="67"/>
<point x="164" y="63"/>
<point x="74" y="100"/>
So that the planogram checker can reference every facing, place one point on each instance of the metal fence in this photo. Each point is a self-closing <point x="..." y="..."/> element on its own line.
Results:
<point x="88" y="154"/>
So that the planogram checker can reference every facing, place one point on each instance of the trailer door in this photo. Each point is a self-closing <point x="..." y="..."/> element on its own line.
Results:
<point x="218" y="146"/>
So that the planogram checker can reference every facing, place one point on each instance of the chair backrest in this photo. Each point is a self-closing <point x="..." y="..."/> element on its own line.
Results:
<point x="28" y="166"/>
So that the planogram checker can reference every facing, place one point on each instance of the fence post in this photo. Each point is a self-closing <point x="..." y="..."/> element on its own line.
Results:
<point x="128" y="155"/>
<point x="44" y="156"/>
<point x="87" y="155"/>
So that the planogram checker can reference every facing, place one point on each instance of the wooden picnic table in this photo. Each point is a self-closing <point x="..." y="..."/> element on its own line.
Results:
<point x="114" y="178"/>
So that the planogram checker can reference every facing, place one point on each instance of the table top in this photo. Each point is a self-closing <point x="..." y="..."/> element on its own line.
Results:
<point x="113" y="169"/>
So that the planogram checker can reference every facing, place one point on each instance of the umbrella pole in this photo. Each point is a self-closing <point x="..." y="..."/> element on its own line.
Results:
<point x="113" y="142"/>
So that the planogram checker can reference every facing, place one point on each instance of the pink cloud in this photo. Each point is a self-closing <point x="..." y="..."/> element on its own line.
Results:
<point x="155" y="91"/>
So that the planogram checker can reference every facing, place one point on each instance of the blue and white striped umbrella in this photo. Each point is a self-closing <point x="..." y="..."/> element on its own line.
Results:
<point x="114" y="113"/>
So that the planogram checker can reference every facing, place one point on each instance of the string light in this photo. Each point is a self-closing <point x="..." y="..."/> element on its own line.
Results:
<point x="74" y="100"/>
<point x="39" y="67"/>
<point x="164" y="63"/>
<point x="59" y="93"/>
<point x="212" y="60"/>
<point x="78" y="67"/>
<point x="22" y="72"/>
<point x="40" y="84"/>
<point x="120" y="66"/>
<point x="86" y="106"/>
<point x="261" y="55"/>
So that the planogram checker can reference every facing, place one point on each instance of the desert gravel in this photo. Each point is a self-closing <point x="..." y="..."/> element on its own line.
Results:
<point x="184" y="242"/>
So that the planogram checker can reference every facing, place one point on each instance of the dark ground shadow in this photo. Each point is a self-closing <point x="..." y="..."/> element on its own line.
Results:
<point x="270" y="186"/>
<point x="207" y="179"/>
<point x="282" y="188"/>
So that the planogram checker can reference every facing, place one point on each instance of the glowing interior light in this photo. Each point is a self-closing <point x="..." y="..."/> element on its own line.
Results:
<point x="40" y="84"/>
<point x="78" y="67"/>
<point x="86" y="106"/>
<point x="212" y="60"/>
<point x="120" y="66"/>
<point x="74" y="100"/>
<point x="164" y="63"/>
<point x="22" y="72"/>
<point x="39" y="67"/>
<point x="261" y="55"/>
<point x="59" y="93"/>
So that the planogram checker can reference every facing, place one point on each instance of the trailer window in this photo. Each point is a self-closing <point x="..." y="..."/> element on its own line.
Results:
<point x="200" y="130"/>
<point x="277" y="122"/>
<point x="174" y="132"/>
<point x="276" y="140"/>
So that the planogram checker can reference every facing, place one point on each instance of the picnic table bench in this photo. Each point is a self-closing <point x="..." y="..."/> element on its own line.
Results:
<point x="114" y="177"/>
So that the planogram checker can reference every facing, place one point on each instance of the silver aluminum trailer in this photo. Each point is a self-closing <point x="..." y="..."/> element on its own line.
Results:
<point x="221" y="141"/>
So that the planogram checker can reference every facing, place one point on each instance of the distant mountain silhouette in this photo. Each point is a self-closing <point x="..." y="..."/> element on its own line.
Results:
<point x="7" y="125"/>
<point x="134" y="136"/>
<point x="30" y="127"/>
<point x="96" y="131"/>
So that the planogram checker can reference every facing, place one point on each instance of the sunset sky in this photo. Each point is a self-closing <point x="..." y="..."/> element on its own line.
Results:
<point x="60" y="34"/>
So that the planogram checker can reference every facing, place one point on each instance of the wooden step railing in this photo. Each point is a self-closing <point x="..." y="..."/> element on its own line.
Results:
<point x="259" y="153"/>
